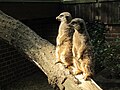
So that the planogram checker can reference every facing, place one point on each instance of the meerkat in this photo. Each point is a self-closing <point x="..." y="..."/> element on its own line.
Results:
<point x="81" y="49"/>
<point x="64" y="40"/>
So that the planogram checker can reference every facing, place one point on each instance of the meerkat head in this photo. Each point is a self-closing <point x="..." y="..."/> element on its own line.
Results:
<point x="64" y="17"/>
<point x="78" y="24"/>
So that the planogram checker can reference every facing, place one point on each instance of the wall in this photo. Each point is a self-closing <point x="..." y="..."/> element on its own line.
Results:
<point x="29" y="0"/>
<point x="46" y="28"/>
<point x="30" y="10"/>
<point x="103" y="11"/>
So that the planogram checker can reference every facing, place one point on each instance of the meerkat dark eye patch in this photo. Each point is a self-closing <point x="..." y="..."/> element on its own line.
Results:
<point x="61" y="15"/>
<point x="73" y="22"/>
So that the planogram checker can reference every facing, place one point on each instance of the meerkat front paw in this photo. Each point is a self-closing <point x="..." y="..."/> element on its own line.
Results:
<point x="76" y="72"/>
<point x="58" y="61"/>
<point x="86" y="77"/>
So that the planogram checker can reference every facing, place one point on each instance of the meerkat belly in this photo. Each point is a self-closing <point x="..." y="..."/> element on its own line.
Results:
<point x="78" y="39"/>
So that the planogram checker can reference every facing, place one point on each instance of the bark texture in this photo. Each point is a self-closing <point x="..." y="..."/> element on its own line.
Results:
<point x="42" y="53"/>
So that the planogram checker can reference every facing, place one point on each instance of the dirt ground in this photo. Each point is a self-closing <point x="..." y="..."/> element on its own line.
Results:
<point x="36" y="81"/>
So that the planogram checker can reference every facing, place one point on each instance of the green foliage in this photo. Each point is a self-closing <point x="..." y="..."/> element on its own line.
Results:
<point x="96" y="31"/>
<point x="106" y="55"/>
<point x="112" y="60"/>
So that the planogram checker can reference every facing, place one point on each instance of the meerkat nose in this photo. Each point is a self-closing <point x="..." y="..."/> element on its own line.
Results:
<point x="57" y="17"/>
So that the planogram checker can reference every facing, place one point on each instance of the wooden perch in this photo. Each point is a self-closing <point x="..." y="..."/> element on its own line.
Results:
<point x="42" y="53"/>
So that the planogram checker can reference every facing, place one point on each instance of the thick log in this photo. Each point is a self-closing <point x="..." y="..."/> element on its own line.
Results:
<point x="42" y="53"/>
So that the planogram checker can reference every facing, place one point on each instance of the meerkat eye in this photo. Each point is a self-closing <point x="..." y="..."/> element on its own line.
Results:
<point x="73" y="23"/>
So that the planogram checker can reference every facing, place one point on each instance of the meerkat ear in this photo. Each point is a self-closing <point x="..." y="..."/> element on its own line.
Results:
<point x="68" y="18"/>
<point x="82" y="26"/>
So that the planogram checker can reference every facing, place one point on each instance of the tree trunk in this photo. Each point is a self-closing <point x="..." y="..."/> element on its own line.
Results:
<point x="42" y="53"/>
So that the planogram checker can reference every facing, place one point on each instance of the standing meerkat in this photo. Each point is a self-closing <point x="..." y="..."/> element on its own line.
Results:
<point x="82" y="49"/>
<point x="64" y="40"/>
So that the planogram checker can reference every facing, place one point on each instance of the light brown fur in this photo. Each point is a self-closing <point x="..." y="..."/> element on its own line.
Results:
<point x="82" y="55"/>
<point x="64" y="40"/>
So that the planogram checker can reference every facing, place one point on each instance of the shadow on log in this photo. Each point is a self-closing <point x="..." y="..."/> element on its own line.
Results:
<point x="42" y="53"/>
